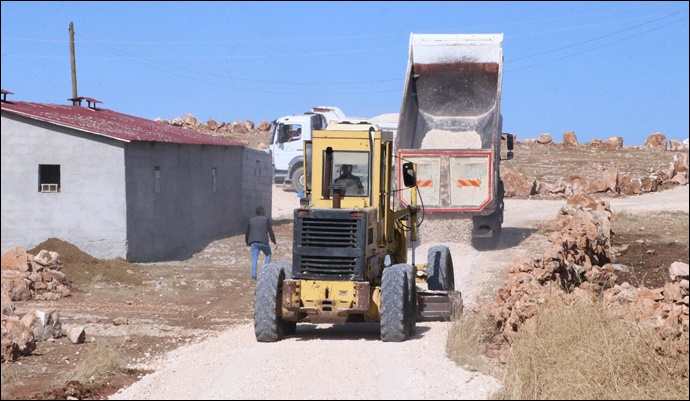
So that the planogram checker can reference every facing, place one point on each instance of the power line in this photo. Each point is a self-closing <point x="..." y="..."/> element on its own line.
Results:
<point x="598" y="47"/>
<point x="597" y="38"/>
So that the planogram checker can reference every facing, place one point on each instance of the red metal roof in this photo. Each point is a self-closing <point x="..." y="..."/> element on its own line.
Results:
<point x="113" y="124"/>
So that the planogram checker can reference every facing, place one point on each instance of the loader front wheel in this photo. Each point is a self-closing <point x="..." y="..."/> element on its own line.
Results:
<point x="440" y="269"/>
<point x="394" y="304"/>
<point x="268" y="324"/>
<point x="411" y="300"/>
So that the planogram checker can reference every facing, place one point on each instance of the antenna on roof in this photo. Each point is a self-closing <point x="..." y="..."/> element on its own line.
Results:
<point x="74" y="65"/>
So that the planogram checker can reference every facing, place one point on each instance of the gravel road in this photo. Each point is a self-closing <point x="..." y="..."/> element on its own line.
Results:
<point x="350" y="362"/>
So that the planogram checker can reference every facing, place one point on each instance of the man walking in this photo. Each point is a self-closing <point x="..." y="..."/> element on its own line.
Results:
<point x="256" y="237"/>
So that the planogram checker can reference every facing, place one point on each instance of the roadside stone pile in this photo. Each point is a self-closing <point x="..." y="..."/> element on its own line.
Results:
<point x="25" y="276"/>
<point x="609" y="180"/>
<point x="581" y="265"/>
<point x="220" y="128"/>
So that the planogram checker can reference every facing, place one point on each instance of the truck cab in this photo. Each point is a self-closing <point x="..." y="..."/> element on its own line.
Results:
<point x="287" y="142"/>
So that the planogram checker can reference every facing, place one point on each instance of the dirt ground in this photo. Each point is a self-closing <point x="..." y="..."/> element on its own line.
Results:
<point x="168" y="305"/>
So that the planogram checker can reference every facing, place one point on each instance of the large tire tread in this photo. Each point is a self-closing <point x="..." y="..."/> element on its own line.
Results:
<point x="394" y="304"/>
<point x="440" y="269"/>
<point x="268" y="325"/>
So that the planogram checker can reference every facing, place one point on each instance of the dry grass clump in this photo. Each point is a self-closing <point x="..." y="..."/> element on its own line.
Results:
<point x="8" y="377"/>
<point x="98" y="362"/>
<point x="467" y="333"/>
<point x="580" y="352"/>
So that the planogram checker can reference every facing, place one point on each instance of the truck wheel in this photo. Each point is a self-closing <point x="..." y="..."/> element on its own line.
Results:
<point x="440" y="269"/>
<point x="297" y="178"/>
<point x="493" y="222"/>
<point x="394" y="304"/>
<point x="268" y="324"/>
<point x="412" y="300"/>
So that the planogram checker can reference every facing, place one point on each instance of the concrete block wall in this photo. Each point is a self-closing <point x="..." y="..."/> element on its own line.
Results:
<point x="257" y="182"/>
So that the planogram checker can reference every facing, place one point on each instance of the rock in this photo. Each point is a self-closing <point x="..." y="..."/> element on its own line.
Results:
<point x="569" y="139"/>
<point x="44" y="325"/>
<point x="120" y="321"/>
<point x="544" y="139"/>
<point x="77" y="335"/>
<point x="679" y="271"/>
<point x="15" y="258"/>
<point x="656" y="140"/>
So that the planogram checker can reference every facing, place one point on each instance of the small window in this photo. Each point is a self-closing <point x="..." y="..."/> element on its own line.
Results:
<point x="213" y="179"/>
<point x="157" y="183"/>
<point x="48" y="178"/>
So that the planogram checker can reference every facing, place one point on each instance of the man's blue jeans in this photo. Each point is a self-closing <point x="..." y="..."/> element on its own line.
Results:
<point x="256" y="248"/>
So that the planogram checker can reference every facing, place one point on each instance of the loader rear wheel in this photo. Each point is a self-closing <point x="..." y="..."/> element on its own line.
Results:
<point x="394" y="304"/>
<point x="440" y="269"/>
<point x="268" y="324"/>
<point x="412" y="300"/>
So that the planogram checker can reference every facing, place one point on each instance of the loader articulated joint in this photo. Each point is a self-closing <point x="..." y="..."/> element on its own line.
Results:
<point x="413" y="209"/>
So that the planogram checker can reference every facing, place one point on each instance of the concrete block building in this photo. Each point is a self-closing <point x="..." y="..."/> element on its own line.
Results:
<point x="116" y="185"/>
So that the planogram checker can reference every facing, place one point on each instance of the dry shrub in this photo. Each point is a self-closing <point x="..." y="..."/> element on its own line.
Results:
<point x="8" y="376"/>
<point x="464" y="345"/>
<point x="579" y="351"/>
<point x="99" y="361"/>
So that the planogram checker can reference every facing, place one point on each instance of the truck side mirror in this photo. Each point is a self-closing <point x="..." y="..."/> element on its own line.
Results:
<point x="509" y="139"/>
<point x="409" y="177"/>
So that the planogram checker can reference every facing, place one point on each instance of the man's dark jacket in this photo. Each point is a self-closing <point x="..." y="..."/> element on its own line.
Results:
<point x="258" y="230"/>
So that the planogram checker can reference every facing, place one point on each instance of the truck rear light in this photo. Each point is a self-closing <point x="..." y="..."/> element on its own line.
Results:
<point x="355" y="214"/>
<point x="303" y="213"/>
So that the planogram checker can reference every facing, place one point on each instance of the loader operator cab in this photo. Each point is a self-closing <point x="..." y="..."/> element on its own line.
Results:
<point x="353" y="184"/>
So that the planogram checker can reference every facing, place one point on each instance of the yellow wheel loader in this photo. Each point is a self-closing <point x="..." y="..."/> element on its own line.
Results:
<point x="350" y="247"/>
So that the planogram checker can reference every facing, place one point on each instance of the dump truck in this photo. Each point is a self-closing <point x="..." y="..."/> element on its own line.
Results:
<point x="450" y="126"/>
<point x="350" y="245"/>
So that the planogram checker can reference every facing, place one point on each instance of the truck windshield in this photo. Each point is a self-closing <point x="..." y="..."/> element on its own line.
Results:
<point x="351" y="169"/>
<point x="288" y="133"/>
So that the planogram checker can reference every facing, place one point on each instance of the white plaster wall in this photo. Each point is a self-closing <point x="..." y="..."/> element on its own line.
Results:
<point x="90" y="209"/>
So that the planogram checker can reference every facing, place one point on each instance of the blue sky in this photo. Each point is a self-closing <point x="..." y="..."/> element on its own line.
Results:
<point x="600" y="69"/>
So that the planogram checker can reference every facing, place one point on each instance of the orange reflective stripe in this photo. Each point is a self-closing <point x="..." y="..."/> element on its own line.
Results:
<point x="425" y="183"/>
<point x="469" y="183"/>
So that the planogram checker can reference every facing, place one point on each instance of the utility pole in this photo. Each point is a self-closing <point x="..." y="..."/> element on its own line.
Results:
<point x="74" y="64"/>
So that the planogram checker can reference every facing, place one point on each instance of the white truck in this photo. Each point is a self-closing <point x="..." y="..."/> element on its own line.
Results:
<point x="290" y="132"/>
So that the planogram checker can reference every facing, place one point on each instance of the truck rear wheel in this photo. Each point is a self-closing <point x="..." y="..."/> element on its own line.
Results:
<point x="492" y="222"/>
<point x="440" y="269"/>
<point x="297" y="178"/>
<point x="487" y="243"/>
<point x="268" y="324"/>
<point x="394" y="304"/>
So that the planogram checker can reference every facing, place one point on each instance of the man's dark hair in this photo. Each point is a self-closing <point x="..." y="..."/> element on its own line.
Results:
<point x="260" y="211"/>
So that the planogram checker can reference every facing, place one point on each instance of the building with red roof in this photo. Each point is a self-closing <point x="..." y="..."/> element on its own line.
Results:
<point x="117" y="185"/>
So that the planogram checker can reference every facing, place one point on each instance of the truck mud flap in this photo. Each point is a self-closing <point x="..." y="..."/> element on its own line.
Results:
<point x="438" y="305"/>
